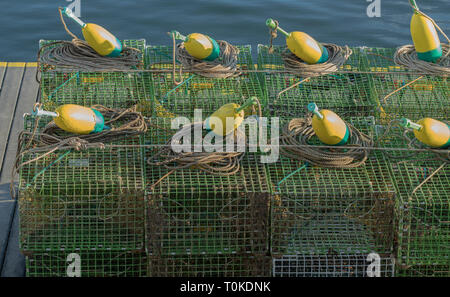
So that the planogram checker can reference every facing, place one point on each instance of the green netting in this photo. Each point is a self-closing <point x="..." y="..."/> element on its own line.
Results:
<point x="112" y="89"/>
<point x="422" y="212"/>
<point x="197" y="92"/>
<point x="332" y="265"/>
<point x="427" y="97"/>
<point x="194" y="212"/>
<point x="210" y="266"/>
<point x="92" y="264"/>
<point x="342" y="92"/>
<point x="91" y="199"/>
<point x="424" y="271"/>
<point x="318" y="209"/>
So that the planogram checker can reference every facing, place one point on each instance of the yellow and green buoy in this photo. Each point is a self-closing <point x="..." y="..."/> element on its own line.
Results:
<point x="302" y="45"/>
<point x="217" y="122"/>
<point x="429" y="131"/>
<point x="328" y="126"/>
<point x="425" y="38"/>
<point x="75" y="118"/>
<point x="100" y="39"/>
<point x="199" y="46"/>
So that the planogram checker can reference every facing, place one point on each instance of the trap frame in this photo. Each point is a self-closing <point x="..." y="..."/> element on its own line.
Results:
<point x="112" y="89"/>
<point x="317" y="210"/>
<point x="195" y="91"/>
<point x="344" y="92"/>
<point x="210" y="266"/>
<point x="191" y="212"/>
<point x="91" y="199"/>
<point x="331" y="265"/>
<point x="92" y="264"/>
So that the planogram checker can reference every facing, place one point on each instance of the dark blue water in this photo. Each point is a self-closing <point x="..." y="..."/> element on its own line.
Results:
<point x="24" y="22"/>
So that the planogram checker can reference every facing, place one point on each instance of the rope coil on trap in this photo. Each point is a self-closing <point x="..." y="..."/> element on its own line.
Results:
<point x="226" y="65"/>
<point x="77" y="54"/>
<point x="338" y="55"/>
<point x="407" y="56"/>
<point x="218" y="163"/>
<point x="294" y="144"/>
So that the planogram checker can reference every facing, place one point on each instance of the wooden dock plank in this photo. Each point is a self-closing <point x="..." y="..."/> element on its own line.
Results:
<point x="14" y="262"/>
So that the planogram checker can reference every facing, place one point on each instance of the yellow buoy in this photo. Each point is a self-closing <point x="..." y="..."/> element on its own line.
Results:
<point x="328" y="126"/>
<point x="100" y="39"/>
<point x="75" y="118"/>
<point x="429" y="131"/>
<point x="199" y="46"/>
<point x="425" y="38"/>
<point x="228" y="117"/>
<point x="302" y="45"/>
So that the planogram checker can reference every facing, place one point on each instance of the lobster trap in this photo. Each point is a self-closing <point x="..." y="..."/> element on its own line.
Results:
<point x="333" y="265"/>
<point x="210" y="266"/>
<point x="315" y="211"/>
<point x="424" y="271"/>
<point x="112" y="89"/>
<point x="192" y="212"/>
<point x="91" y="199"/>
<point x="422" y="211"/>
<point x="195" y="91"/>
<point x="347" y="92"/>
<point x="87" y="264"/>
<point x="401" y="92"/>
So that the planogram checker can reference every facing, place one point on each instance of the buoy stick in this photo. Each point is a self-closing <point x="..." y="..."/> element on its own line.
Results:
<point x="246" y="104"/>
<point x="312" y="107"/>
<point x="40" y="112"/>
<point x="414" y="4"/>
<point x="271" y="24"/>
<point x="178" y="35"/>
<point x="68" y="12"/>
<point x="410" y="124"/>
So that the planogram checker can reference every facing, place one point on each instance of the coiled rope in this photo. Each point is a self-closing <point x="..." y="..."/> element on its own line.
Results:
<point x="122" y="123"/>
<point x="77" y="54"/>
<point x="297" y="134"/>
<point x="406" y="55"/>
<point x="338" y="55"/>
<point x="226" y="65"/>
<point x="218" y="163"/>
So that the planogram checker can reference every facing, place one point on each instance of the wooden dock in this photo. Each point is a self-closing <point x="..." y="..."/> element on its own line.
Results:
<point x="18" y="93"/>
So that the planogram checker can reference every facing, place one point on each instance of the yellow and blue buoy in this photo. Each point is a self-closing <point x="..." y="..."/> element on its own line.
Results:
<point x="100" y="39"/>
<point x="217" y="122"/>
<point x="425" y="38"/>
<point x="302" y="45"/>
<point x="75" y="118"/>
<point x="429" y="131"/>
<point x="199" y="46"/>
<point x="328" y="126"/>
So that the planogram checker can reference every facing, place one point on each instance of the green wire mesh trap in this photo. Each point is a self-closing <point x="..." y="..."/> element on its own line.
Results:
<point x="422" y="212"/>
<point x="195" y="91"/>
<point x="332" y="266"/>
<point x="194" y="212"/>
<point x="427" y="97"/>
<point x="347" y="92"/>
<point x="210" y="266"/>
<point x="315" y="210"/>
<point x="91" y="199"/>
<point x="112" y="89"/>
<point x="424" y="271"/>
<point x="92" y="264"/>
